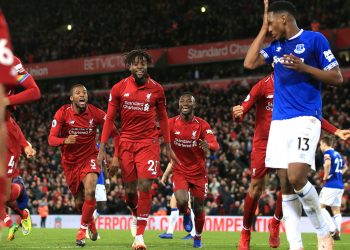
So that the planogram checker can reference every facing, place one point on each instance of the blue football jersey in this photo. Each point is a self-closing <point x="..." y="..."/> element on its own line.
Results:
<point x="101" y="178"/>
<point x="296" y="93"/>
<point x="335" y="173"/>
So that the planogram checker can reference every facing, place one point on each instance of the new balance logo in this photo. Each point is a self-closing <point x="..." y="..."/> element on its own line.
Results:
<point x="177" y="132"/>
<point x="71" y="122"/>
<point x="126" y="94"/>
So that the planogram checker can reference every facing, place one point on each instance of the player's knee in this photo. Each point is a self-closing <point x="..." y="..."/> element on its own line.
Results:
<point x="145" y="185"/>
<point x="181" y="202"/>
<point x="255" y="191"/>
<point x="90" y="193"/>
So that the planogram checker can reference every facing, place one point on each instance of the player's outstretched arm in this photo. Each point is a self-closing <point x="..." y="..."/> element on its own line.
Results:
<point x="343" y="134"/>
<point x="253" y="58"/>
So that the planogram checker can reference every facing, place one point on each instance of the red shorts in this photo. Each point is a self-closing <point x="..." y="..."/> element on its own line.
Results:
<point x="75" y="173"/>
<point x="14" y="149"/>
<point x="198" y="185"/>
<point x="257" y="164"/>
<point x="139" y="160"/>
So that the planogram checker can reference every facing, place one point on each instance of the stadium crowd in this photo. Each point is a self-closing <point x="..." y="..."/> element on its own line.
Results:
<point x="120" y="25"/>
<point x="228" y="168"/>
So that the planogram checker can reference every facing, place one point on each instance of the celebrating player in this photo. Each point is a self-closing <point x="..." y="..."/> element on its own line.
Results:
<point x="174" y="214"/>
<point x="74" y="130"/>
<point x="262" y="95"/>
<point x="333" y="188"/>
<point x="140" y="101"/>
<point x="191" y="139"/>
<point x="302" y="60"/>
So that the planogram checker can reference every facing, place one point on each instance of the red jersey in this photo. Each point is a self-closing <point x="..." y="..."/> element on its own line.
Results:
<point x="262" y="95"/>
<point x="139" y="107"/>
<point x="7" y="72"/>
<point x="67" y="122"/>
<point x="185" y="137"/>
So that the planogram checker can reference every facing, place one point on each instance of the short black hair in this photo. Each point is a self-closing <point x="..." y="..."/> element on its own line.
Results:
<point x="137" y="53"/>
<point x="187" y="93"/>
<point x="76" y="85"/>
<point x="329" y="140"/>
<point x="283" y="6"/>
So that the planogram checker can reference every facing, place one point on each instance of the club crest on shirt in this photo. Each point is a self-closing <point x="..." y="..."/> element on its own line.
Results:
<point x="278" y="49"/>
<point x="194" y="132"/>
<point x="91" y="122"/>
<point x="299" y="48"/>
<point x="148" y="97"/>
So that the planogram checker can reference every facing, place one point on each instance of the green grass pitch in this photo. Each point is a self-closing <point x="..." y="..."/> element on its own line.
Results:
<point x="65" y="239"/>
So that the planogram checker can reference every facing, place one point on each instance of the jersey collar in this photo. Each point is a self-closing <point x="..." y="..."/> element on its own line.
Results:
<point x="132" y="78"/>
<point x="296" y="35"/>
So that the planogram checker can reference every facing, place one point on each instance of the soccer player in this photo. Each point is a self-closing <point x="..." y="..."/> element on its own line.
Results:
<point x="140" y="101"/>
<point x="174" y="214"/>
<point x="74" y="130"/>
<point x="262" y="95"/>
<point x="191" y="139"/>
<point x="333" y="188"/>
<point x="302" y="60"/>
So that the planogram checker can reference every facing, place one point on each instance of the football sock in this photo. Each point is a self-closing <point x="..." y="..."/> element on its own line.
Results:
<point x="143" y="209"/>
<point x="338" y="220"/>
<point x="96" y="214"/>
<point x="291" y="216"/>
<point x="193" y="232"/>
<point x="249" y="211"/>
<point x="87" y="211"/>
<point x="199" y="220"/>
<point x="174" y="216"/>
<point x="328" y="219"/>
<point x="278" y="211"/>
<point x="309" y="198"/>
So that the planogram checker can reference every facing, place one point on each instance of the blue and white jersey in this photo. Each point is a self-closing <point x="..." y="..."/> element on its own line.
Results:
<point x="296" y="93"/>
<point x="335" y="173"/>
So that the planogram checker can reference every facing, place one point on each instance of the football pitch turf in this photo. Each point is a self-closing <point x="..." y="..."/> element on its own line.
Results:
<point x="115" y="239"/>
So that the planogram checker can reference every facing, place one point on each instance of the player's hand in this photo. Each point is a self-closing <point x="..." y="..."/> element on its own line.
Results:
<point x="113" y="168"/>
<point x="203" y="144"/>
<point x="237" y="111"/>
<point x="170" y="154"/>
<point x="265" y="24"/>
<point x="343" y="134"/>
<point x="29" y="151"/>
<point x="107" y="185"/>
<point x="293" y="62"/>
<point x="71" y="139"/>
<point x="163" y="180"/>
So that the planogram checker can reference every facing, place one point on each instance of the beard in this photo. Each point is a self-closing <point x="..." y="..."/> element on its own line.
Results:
<point x="140" y="80"/>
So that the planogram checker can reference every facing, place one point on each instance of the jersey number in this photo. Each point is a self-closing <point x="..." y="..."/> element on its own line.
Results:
<point x="152" y="166"/>
<point x="6" y="56"/>
<point x="11" y="164"/>
<point x="303" y="144"/>
<point x="339" y="163"/>
<point x="93" y="164"/>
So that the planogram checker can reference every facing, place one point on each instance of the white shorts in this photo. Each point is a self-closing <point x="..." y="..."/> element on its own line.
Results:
<point x="293" y="140"/>
<point x="100" y="193"/>
<point x="331" y="196"/>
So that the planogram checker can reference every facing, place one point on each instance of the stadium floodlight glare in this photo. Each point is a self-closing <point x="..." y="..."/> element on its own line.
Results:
<point x="203" y="9"/>
<point x="69" y="27"/>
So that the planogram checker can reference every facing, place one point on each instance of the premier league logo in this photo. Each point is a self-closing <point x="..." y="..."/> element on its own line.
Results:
<point x="299" y="48"/>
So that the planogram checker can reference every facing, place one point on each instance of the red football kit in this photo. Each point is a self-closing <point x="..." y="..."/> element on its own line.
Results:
<point x="80" y="158"/>
<point x="139" y="108"/>
<point x="191" y="173"/>
<point x="261" y="95"/>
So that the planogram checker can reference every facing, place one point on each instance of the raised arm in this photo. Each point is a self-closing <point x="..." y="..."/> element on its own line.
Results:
<point x="253" y="58"/>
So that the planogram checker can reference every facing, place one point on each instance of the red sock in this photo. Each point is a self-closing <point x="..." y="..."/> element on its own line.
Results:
<point x="88" y="210"/>
<point x="278" y="211"/>
<point x="199" y="222"/>
<point x="143" y="209"/>
<point x="22" y="213"/>
<point x="8" y="221"/>
<point x="249" y="210"/>
<point x="2" y="198"/>
<point x="131" y="200"/>
<point x="16" y="190"/>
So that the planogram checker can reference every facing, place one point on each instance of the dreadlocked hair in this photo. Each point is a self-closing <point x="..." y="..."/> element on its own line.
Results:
<point x="137" y="53"/>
